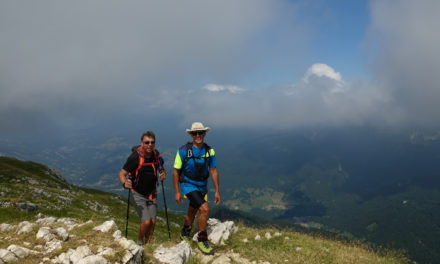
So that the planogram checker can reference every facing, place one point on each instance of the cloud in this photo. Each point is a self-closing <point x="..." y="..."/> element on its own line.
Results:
<point x="72" y="63"/>
<point x="404" y="35"/>
<point x="320" y="98"/>
<point x="59" y="60"/>
<point x="320" y="69"/>
<point x="218" y="88"/>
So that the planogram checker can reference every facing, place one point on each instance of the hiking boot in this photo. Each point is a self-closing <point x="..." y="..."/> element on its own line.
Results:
<point x="205" y="247"/>
<point x="185" y="234"/>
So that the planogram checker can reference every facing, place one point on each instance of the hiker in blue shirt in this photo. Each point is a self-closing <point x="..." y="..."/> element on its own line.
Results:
<point x="194" y="162"/>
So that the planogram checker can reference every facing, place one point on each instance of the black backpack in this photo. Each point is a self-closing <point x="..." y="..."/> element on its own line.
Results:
<point x="200" y="174"/>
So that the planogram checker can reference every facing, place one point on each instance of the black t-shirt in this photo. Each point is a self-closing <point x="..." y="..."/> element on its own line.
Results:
<point x="146" y="180"/>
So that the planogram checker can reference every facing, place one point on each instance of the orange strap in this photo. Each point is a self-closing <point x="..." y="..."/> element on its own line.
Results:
<point x="141" y="164"/>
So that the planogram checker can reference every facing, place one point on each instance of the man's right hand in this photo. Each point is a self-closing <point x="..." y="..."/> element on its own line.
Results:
<point x="178" y="197"/>
<point x="128" y="184"/>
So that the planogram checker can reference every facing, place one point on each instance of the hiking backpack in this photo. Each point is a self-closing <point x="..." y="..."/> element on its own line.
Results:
<point x="157" y="165"/>
<point x="200" y="174"/>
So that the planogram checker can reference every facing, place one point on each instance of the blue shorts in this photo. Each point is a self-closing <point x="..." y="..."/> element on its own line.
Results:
<point x="187" y="187"/>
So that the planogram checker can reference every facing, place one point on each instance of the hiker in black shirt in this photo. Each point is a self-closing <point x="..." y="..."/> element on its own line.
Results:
<point x="144" y="166"/>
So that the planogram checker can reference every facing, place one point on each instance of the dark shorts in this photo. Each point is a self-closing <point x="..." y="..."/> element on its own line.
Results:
<point x="145" y="208"/>
<point x="196" y="199"/>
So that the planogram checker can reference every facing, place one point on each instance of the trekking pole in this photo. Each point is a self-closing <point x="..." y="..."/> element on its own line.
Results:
<point x="128" y="211"/>
<point x="166" y="210"/>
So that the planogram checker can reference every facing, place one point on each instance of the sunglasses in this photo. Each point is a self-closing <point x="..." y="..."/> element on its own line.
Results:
<point x="198" y="133"/>
<point x="149" y="142"/>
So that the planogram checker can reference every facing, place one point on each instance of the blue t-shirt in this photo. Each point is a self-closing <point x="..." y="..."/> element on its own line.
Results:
<point x="199" y="157"/>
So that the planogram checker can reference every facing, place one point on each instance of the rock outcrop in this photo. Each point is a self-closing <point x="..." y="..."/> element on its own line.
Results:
<point x="218" y="233"/>
<point x="54" y="232"/>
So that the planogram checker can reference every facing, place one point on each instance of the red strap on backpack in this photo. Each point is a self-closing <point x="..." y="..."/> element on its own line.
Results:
<point x="155" y="164"/>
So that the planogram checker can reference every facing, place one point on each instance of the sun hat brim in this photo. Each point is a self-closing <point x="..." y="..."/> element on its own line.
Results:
<point x="206" y="129"/>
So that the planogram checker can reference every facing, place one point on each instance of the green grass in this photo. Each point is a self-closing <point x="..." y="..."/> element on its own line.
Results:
<point x="292" y="247"/>
<point x="58" y="198"/>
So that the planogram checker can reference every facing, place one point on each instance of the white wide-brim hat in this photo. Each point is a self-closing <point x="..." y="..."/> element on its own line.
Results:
<point x="197" y="126"/>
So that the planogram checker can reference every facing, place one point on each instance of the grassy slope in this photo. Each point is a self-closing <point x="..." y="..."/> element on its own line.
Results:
<point x="32" y="182"/>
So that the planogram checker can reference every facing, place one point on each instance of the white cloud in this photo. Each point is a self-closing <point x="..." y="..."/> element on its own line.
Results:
<point x="321" y="98"/>
<point x="323" y="70"/>
<point x="218" y="88"/>
<point x="320" y="70"/>
<point x="64" y="60"/>
<point x="61" y="58"/>
<point x="404" y="35"/>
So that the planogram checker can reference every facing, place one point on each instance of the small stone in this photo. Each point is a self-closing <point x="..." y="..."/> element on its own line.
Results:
<point x="7" y="256"/>
<point x="106" y="226"/>
<point x="62" y="233"/>
<point x="93" y="259"/>
<point x="6" y="227"/>
<point x="80" y="253"/>
<point x="18" y="251"/>
<point x="267" y="235"/>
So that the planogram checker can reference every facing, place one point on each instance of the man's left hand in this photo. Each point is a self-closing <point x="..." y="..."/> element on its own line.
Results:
<point x="217" y="198"/>
<point x="162" y="175"/>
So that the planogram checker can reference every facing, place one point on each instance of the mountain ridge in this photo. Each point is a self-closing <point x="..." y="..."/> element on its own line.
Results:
<point x="88" y="204"/>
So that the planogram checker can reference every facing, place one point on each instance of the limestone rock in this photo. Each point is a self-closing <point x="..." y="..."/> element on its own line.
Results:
<point x="20" y="252"/>
<point x="178" y="254"/>
<point x="93" y="259"/>
<point x="46" y="220"/>
<point x="63" y="258"/>
<point x="133" y="252"/>
<point x="25" y="227"/>
<point x="6" y="227"/>
<point x="106" y="226"/>
<point x="117" y="234"/>
<point x="52" y="245"/>
<point x="268" y="235"/>
<point x="7" y="256"/>
<point x="223" y="259"/>
<point x="219" y="231"/>
<point x="44" y="233"/>
<point x="62" y="233"/>
<point x="80" y="253"/>
<point x="106" y="251"/>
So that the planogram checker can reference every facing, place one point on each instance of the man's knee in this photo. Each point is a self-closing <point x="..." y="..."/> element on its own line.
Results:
<point x="204" y="209"/>
<point x="148" y="222"/>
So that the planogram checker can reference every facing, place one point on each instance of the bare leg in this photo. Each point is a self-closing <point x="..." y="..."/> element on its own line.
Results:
<point x="150" y="231"/>
<point x="143" y="229"/>
<point x="203" y="217"/>
<point x="189" y="218"/>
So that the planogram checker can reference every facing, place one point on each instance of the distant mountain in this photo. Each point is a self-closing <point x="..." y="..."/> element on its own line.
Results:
<point x="382" y="186"/>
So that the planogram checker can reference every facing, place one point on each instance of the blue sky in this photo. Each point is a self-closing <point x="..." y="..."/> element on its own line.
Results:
<point x="256" y="63"/>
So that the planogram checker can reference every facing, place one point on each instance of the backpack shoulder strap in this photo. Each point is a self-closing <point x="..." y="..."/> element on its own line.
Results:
<point x="189" y="154"/>
<point x="207" y="150"/>
<point x="134" y="175"/>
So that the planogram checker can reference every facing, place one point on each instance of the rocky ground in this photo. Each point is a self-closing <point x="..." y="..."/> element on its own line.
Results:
<point x="56" y="240"/>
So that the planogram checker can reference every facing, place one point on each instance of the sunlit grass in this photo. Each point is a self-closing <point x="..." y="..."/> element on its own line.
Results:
<point x="292" y="247"/>
<point x="289" y="247"/>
